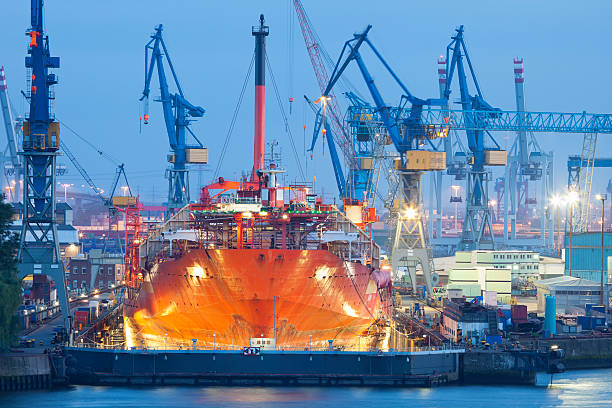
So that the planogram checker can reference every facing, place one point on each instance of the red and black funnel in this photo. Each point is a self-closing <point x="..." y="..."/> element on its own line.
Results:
<point x="260" y="33"/>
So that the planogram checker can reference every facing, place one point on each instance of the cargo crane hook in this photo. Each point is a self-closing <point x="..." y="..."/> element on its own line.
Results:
<point x="177" y="113"/>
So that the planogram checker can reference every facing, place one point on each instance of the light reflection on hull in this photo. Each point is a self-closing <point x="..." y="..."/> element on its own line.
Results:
<point x="224" y="297"/>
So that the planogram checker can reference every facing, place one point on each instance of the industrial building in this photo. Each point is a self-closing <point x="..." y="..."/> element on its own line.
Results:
<point x="583" y="255"/>
<point x="571" y="293"/>
<point x="525" y="265"/>
<point x="475" y="281"/>
<point x="95" y="270"/>
<point x="468" y="322"/>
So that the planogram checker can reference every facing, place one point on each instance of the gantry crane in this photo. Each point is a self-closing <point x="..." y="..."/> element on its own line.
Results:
<point x="478" y="119"/>
<point x="410" y="139"/>
<point x="178" y="114"/>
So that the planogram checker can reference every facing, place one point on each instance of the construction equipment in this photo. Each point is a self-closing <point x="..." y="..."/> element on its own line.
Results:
<point x="477" y="229"/>
<point x="178" y="114"/>
<point x="477" y="118"/>
<point x="39" y="251"/>
<point x="527" y="164"/>
<point x="580" y="171"/>
<point x="12" y="163"/>
<point x="409" y="137"/>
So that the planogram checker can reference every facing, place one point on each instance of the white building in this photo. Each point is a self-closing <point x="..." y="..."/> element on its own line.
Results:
<point x="525" y="265"/>
<point x="474" y="281"/>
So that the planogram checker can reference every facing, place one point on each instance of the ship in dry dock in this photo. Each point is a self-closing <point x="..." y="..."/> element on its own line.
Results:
<point x="261" y="264"/>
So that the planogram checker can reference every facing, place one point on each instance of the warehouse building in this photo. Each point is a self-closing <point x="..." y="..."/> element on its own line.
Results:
<point x="571" y="293"/>
<point x="585" y="254"/>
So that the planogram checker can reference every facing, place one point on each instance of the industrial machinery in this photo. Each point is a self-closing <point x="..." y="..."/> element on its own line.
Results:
<point x="479" y="119"/>
<point x="178" y="114"/>
<point x="477" y="229"/>
<point x="410" y="139"/>
<point x="39" y="251"/>
<point x="12" y="163"/>
<point x="580" y="171"/>
<point x="527" y="164"/>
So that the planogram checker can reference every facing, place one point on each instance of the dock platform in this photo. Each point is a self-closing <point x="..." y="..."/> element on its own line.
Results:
<point x="236" y="367"/>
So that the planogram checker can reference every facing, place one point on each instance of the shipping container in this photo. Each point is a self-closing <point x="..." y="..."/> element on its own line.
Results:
<point x="493" y="339"/>
<point x="519" y="312"/>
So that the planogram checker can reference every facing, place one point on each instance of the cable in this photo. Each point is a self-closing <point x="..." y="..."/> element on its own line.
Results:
<point x="99" y="151"/>
<point x="287" y="128"/>
<point x="233" y="122"/>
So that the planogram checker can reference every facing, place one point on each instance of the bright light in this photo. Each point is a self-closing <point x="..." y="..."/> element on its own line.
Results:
<point x="247" y="214"/>
<point x="285" y="216"/>
<point x="556" y="201"/>
<point x="411" y="213"/>
<point x="492" y="203"/>
<point x="263" y="213"/>
<point x="572" y="197"/>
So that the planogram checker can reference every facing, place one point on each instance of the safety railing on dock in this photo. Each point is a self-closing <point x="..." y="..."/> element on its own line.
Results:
<point x="444" y="348"/>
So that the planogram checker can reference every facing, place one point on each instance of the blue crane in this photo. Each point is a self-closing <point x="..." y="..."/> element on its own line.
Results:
<point x="338" y="173"/>
<point x="177" y="113"/>
<point x="39" y="251"/>
<point x="12" y="165"/>
<point x="477" y="228"/>
<point x="409" y="137"/>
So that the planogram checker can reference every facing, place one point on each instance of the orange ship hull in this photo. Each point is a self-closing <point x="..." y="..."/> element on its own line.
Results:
<point x="225" y="297"/>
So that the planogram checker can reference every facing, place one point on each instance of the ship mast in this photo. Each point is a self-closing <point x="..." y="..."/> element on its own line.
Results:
<point x="260" y="33"/>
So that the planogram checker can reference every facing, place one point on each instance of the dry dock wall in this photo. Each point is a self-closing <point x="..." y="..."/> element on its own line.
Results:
<point x="593" y="352"/>
<point x="90" y="366"/>
<point x="24" y="372"/>
<point x="499" y="367"/>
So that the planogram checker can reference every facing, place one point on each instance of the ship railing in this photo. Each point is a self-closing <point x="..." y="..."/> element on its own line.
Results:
<point x="355" y="350"/>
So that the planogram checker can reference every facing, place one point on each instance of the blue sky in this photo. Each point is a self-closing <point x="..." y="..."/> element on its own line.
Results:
<point x="565" y="45"/>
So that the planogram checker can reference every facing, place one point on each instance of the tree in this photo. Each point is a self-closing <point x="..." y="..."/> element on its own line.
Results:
<point x="10" y="287"/>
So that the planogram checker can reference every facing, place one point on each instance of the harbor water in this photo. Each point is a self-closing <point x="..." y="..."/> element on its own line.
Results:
<point x="572" y="389"/>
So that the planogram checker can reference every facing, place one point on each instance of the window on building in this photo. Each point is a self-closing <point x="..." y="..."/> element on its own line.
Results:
<point x="110" y="284"/>
<point x="100" y="284"/>
<point x="84" y="270"/>
<point x="75" y="284"/>
<point x="83" y="284"/>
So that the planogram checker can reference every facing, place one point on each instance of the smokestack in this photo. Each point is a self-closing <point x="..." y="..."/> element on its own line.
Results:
<point x="260" y="33"/>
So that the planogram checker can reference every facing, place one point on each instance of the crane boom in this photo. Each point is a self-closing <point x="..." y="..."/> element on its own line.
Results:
<point x="177" y="113"/>
<point x="338" y="173"/>
<point x="9" y="122"/>
<point x="315" y="52"/>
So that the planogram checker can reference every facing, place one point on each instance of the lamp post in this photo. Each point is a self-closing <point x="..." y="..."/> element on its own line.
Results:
<point x="555" y="203"/>
<point x="455" y="199"/>
<point x="572" y="198"/>
<point x="66" y="191"/>
<point x="602" y="198"/>
<point x="428" y="341"/>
